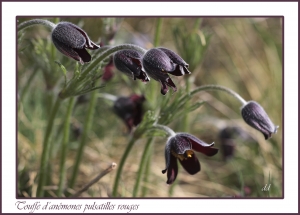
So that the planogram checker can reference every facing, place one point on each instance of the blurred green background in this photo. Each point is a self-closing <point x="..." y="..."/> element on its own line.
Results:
<point x="244" y="54"/>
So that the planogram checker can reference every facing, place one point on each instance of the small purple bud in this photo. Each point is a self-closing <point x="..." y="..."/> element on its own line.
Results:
<point x="255" y="116"/>
<point x="72" y="41"/>
<point x="158" y="62"/>
<point x="129" y="62"/>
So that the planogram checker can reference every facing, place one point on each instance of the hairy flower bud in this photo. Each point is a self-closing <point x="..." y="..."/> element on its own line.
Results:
<point x="255" y="116"/>
<point x="72" y="41"/>
<point x="129" y="62"/>
<point x="158" y="62"/>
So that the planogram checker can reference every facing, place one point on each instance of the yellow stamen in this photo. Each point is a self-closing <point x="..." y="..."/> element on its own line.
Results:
<point x="189" y="153"/>
<point x="183" y="156"/>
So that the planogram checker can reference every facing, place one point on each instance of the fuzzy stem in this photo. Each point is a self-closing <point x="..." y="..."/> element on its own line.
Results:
<point x="147" y="171"/>
<point x="32" y="22"/>
<point x="142" y="166"/>
<point x="70" y="89"/>
<point x="64" y="146"/>
<point x="122" y="162"/>
<point x="109" y="52"/>
<point x="219" y="88"/>
<point x="157" y="32"/>
<point x="152" y="84"/>
<point x="166" y="129"/>
<point x="46" y="148"/>
<point x="86" y="128"/>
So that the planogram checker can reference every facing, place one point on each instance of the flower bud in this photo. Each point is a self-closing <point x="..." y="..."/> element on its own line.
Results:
<point x="255" y="116"/>
<point x="72" y="41"/>
<point x="129" y="62"/>
<point x="158" y="62"/>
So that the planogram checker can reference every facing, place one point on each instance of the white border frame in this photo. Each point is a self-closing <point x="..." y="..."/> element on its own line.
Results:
<point x="287" y="9"/>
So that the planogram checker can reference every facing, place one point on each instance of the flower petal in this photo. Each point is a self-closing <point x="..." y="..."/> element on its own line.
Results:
<point x="67" y="34"/>
<point x="191" y="165"/>
<point x="68" y="51"/>
<point x="255" y="116"/>
<point x="84" y="55"/>
<point x="180" y="66"/>
<point x="200" y="146"/>
<point x="89" y="44"/>
<point x="129" y="62"/>
<point x="172" y="170"/>
<point x="157" y="61"/>
<point x="165" y="83"/>
<point x="167" y="154"/>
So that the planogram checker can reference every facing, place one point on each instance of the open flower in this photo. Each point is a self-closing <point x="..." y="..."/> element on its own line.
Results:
<point x="130" y="109"/>
<point x="72" y="41"/>
<point x="158" y="62"/>
<point x="255" y="116"/>
<point x="182" y="146"/>
<point x="129" y="62"/>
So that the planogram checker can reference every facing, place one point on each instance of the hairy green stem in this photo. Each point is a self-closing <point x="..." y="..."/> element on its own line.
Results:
<point x="69" y="91"/>
<point x="197" y="23"/>
<point x="86" y="128"/>
<point x="27" y="85"/>
<point x="147" y="171"/>
<point x="165" y="128"/>
<point x="157" y="32"/>
<point x="46" y="149"/>
<point x="219" y="88"/>
<point x="152" y="84"/>
<point x="64" y="146"/>
<point x="32" y="22"/>
<point x="142" y="166"/>
<point x="121" y="165"/>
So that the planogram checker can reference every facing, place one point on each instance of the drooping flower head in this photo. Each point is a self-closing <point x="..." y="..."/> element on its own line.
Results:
<point x="72" y="41"/>
<point x="158" y="62"/>
<point x="130" y="109"/>
<point x="182" y="147"/>
<point x="128" y="61"/>
<point x="255" y="116"/>
<point x="228" y="138"/>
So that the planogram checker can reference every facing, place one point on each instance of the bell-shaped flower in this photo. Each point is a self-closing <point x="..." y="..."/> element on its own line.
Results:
<point x="130" y="109"/>
<point x="159" y="62"/>
<point x="255" y="116"/>
<point x="128" y="61"/>
<point x="72" y="41"/>
<point x="182" y="146"/>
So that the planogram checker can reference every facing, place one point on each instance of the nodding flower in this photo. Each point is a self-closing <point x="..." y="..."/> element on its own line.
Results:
<point x="159" y="62"/>
<point x="72" y="41"/>
<point x="255" y="116"/>
<point x="128" y="61"/>
<point x="130" y="109"/>
<point x="181" y="146"/>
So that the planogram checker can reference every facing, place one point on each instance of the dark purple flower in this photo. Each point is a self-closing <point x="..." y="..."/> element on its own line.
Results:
<point x="130" y="109"/>
<point x="108" y="71"/>
<point x="72" y="41"/>
<point x="182" y="147"/>
<point x="129" y="62"/>
<point x="255" y="116"/>
<point x="158" y="62"/>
